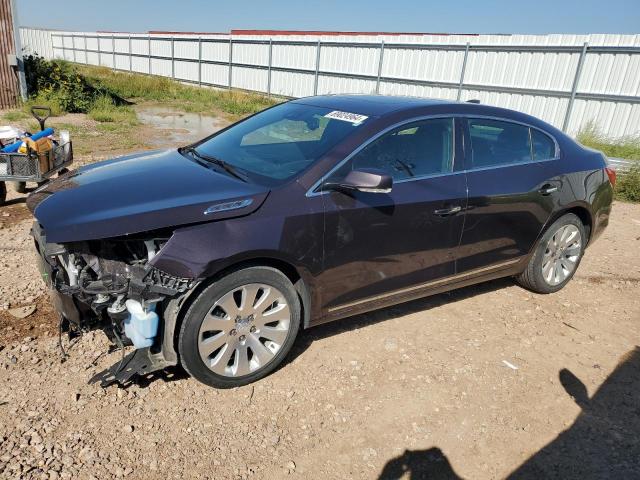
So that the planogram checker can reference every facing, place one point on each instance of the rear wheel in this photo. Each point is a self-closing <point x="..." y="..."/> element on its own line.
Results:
<point x="3" y="193"/>
<point x="556" y="257"/>
<point x="240" y="328"/>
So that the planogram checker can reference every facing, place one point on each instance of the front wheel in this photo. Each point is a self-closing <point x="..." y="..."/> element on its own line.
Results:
<point x="556" y="257"/>
<point x="240" y="328"/>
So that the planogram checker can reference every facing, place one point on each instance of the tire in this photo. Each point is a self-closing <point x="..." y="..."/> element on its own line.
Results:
<point x="556" y="257"/>
<point x="3" y="193"/>
<point x="240" y="342"/>
<point x="20" y="187"/>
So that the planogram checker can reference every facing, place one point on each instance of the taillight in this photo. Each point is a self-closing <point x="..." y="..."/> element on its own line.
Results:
<point x="611" y="173"/>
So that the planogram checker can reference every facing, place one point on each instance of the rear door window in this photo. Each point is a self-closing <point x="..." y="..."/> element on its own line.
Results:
<point x="495" y="143"/>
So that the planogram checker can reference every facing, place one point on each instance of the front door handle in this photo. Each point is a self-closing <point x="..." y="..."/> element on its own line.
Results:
<point x="548" y="189"/>
<point x="445" y="212"/>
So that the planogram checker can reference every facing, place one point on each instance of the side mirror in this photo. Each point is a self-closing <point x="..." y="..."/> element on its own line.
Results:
<point x="369" y="181"/>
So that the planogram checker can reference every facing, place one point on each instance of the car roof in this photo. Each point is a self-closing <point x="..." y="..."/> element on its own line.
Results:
<point x="373" y="105"/>
<point x="383" y="105"/>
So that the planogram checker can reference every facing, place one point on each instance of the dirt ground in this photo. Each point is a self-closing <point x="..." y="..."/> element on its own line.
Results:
<point x="486" y="382"/>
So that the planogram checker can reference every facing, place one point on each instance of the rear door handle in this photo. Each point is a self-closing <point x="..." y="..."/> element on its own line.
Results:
<point x="445" y="212"/>
<point x="548" y="189"/>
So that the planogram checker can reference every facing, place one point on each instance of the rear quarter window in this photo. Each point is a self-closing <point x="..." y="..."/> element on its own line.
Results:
<point x="544" y="148"/>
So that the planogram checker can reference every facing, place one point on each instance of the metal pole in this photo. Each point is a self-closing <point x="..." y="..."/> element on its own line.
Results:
<point x="73" y="43"/>
<point x="130" y="55"/>
<point x="230" y="61"/>
<point x="574" y="88"/>
<point x="99" y="50"/>
<point x="113" y="52"/>
<point x="269" y="71"/>
<point x="86" y="53"/>
<point x="63" y="49"/>
<point x="462" y="72"/>
<point x="173" y="63"/>
<point x="315" y="84"/>
<point x="200" y="61"/>
<point x="149" y="53"/>
<point x="380" y="60"/>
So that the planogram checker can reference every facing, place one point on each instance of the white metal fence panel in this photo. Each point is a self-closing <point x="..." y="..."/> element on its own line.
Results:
<point x="36" y="41"/>
<point x="295" y="56"/>
<point x="291" y="84"/>
<point x="186" y="71"/>
<point x="362" y="61"/>
<point x="214" y="74"/>
<point x="186" y="49"/>
<point x="92" y="58"/>
<point x="215" y="52"/>
<point x="92" y="43"/>
<point x="140" y="46"/>
<point x="250" y="79"/>
<point x="122" y="45"/>
<point x="140" y="65"/>
<point x="254" y="54"/>
<point x="568" y="80"/>
<point x="122" y="62"/>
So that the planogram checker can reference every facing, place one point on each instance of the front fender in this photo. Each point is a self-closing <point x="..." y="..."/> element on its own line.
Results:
<point x="201" y="251"/>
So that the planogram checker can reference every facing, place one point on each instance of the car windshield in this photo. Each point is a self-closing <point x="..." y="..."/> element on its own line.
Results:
<point x="280" y="142"/>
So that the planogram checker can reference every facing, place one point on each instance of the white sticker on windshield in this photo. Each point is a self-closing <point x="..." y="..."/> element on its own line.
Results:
<point x="347" y="117"/>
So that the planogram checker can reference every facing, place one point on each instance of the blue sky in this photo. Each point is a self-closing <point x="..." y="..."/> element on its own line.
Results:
<point x="457" y="16"/>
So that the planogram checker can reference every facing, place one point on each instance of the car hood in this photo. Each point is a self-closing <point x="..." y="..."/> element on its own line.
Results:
<point x="138" y="193"/>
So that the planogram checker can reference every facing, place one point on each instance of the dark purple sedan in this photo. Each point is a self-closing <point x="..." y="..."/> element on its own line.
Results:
<point x="215" y="255"/>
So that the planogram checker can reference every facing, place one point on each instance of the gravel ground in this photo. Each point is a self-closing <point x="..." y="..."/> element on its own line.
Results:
<point x="484" y="382"/>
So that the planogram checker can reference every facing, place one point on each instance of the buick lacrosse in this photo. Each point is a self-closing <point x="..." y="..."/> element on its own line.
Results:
<point x="215" y="255"/>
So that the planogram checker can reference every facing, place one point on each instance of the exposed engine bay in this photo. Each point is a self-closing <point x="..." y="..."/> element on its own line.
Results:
<point x="110" y="285"/>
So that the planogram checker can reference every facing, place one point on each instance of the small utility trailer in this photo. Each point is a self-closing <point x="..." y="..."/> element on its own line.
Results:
<point x="32" y="166"/>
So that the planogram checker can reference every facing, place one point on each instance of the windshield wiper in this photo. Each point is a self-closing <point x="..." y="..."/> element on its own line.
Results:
<point x="230" y="169"/>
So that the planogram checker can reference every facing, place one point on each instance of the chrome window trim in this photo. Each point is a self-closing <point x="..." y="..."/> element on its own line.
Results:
<point x="312" y="193"/>
<point x="505" y="165"/>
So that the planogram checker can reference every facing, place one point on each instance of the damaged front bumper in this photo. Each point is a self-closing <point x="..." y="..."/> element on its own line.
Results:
<point x="92" y="288"/>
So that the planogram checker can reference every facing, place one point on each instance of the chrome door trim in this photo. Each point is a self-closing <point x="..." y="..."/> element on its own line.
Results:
<point x="433" y="283"/>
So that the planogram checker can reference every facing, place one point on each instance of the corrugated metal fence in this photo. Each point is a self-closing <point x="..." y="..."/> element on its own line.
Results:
<point x="567" y="80"/>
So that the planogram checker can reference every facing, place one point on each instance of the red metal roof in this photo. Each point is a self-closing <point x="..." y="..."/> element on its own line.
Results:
<point x="167" y="32"/>
<point x="334" y="33"/>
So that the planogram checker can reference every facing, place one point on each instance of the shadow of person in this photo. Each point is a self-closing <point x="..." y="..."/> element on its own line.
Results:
<point x="429" y="464"/>
<point x="604" y="441"/>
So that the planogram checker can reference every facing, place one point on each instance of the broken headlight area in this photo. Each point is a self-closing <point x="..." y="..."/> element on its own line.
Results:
<point x="111" y="285"/>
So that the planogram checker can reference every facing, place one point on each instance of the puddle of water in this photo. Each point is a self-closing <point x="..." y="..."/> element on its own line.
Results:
<point x="177" y="128"/>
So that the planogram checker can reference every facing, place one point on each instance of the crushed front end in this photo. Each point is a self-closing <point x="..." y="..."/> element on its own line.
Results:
<point x="110" y="285"/>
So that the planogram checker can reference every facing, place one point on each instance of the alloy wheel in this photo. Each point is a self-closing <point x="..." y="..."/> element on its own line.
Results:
<point x="244" y="330"/>
<point x="561" y="254"/>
